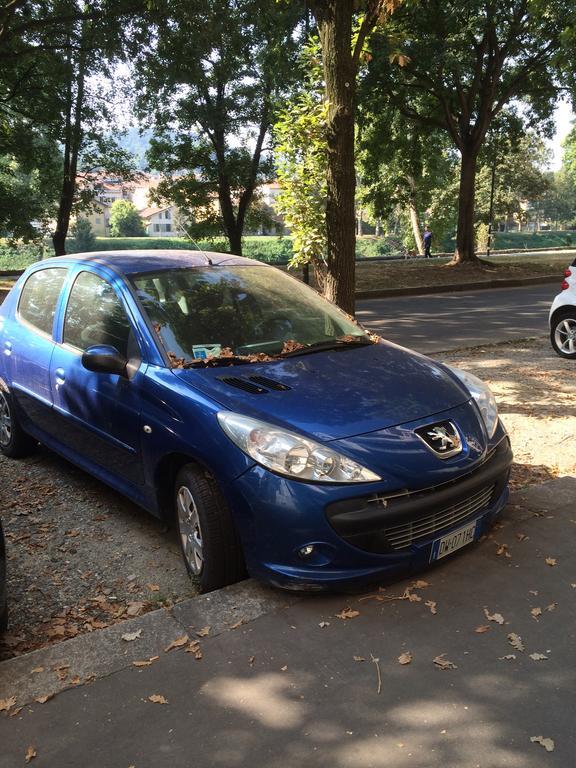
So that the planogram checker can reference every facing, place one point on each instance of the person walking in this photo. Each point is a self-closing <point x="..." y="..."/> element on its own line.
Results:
<point x="427" y="242"/>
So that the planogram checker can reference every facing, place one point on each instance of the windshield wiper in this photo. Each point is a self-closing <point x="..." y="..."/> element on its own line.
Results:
<point x="321" y="346"/>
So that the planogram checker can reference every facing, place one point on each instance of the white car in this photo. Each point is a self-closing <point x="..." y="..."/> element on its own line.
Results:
<point x="563" y="316"/>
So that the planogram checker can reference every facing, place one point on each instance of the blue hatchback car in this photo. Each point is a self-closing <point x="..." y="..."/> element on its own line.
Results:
<point x="280" y="437"/>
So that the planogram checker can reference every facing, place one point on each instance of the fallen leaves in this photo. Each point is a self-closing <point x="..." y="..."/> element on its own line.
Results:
<point x="536" y="612"/>
<point x="443" y="663"/>
<point x="129" y="637"/>
<point x="358" y="658"/>
<point x="548" y="744"/>
<point x="178" y="643"/>
<point x="551" y="561"/>
<point x="6" y="704"/>
<point x="538" y="656"/>
<point x="376" y="662"/>
<point x="347" y="613"/>
<point x="324" y="624"/>
<point x="156" y="698"/>
<point x="516" y="641"/>
<point x="30" y="754"/>
<point x="405" y="658"/>
<point x="194" y="648"/>
<point x="497" y="617"/>
<point x="204" y="632"/>
<point x="503" y="550"/>
<point x="432" y="605"/>
<point x="481" y="629"/>
<point x="145" y="662"/>
<point x="508" y="657"/>
<point x="44" y="699"/>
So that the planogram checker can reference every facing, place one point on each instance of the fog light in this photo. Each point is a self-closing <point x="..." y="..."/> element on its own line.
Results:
<point x="306" y="551"/>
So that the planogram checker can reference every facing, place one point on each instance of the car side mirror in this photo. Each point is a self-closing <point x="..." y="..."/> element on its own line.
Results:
<point x="104" y="359"/>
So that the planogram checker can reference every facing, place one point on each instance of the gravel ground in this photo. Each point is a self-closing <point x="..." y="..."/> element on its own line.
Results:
<point x="81" y="557"/>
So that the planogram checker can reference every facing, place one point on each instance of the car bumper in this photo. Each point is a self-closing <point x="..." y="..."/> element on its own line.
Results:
<point x="359" y="534"/>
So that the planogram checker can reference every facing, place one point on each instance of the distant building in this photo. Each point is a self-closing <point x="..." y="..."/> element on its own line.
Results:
<point x="160" y="220"/>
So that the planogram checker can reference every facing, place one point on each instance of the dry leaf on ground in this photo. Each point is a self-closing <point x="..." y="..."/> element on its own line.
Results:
<point x="178" y="643"/>
<point x="515" y="641"/>
<point x="548" y="744"/>
<point x="538" y="656"/>
<point x="481" y="629"/>
<point x="156" y="698"/>
<point x="6" y="704"/>
<point x="551" y="607"/>
<point x="432" y="605"/>
<point x="405" y="658"/>
<point x="30" y="754"/>
<point x="358" y="658"/>
<point x="131" y="636"/>
<point x="443" y="663"/>
<point x="347" y="613"/>
<point x="194" y="648"/>
<point x="536" y="612"/>
<point x="497" y="617"/>
<point x="508" y="657"/>
<point x="551" y="561"/>
<point x="324" y="624"/>
<point x="44" y="699"/>
<point x="204" y="632"/>
<point x="237" y="624"/>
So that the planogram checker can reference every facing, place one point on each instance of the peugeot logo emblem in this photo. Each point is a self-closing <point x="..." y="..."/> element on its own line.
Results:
<point x="442" y="438"/>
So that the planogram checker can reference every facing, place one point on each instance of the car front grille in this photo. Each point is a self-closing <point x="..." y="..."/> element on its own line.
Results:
<point x="404" y="535"/>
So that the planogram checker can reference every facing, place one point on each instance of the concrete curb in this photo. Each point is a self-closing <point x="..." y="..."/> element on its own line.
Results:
<point x="101" y="653"/>
<point x="450" y="288"/>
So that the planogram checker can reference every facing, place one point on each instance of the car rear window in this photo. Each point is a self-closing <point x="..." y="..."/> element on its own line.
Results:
<point x="39" y="297"/>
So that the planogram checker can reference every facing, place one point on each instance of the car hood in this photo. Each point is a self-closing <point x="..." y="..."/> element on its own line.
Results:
<point x="334" y="394"/>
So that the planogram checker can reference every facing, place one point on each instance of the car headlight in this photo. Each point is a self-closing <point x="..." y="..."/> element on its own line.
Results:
<point x="483" y="396"/>
<point x="291" y="454"/>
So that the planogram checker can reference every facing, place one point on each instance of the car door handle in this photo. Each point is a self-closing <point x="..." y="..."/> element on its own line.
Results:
<point x="60" y="376"/>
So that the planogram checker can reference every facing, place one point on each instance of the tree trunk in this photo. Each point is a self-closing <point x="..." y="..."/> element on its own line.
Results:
<point x="72" y="143"/>
<point x="334" y="18"/>
<point x="416" y="229"/>
<point x="465" y="235"/>
<point x="377" y="228"/>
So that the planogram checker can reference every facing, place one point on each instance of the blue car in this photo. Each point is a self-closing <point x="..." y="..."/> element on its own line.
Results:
<point x="226" y="396"/>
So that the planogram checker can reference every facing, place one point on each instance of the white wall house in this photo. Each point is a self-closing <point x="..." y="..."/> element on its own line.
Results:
<point x="159" y="221"/>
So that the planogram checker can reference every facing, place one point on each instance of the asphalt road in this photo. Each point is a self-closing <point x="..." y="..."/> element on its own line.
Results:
<point x="444" y="321"/>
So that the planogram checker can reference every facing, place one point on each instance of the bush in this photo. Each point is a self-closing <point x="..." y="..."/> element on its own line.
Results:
<point x="19" y="256"/>
<point x="84" y="239"/>
<point x="125" y="220"/>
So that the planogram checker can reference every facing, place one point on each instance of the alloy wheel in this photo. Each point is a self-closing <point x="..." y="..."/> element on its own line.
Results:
<point x="189" y="530"/>
<point x="5" y="421"/>
<point x="565" y="336"/>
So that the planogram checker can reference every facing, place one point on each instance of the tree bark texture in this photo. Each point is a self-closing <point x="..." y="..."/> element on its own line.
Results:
<point x="465" y="235"/>
<point x="334" y="18"/>
<point x="415" y="217"/>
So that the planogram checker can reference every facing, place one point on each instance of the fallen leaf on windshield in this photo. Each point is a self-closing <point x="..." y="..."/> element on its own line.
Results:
<point x="30" y="754"/>
<point x="432" y="605"/>
<point x="515" y="641"/>
<point x="497" y="617"/>
<point x="551" y="561"/>
<point x="178" y="643"/>
<point x="129" y="637"/>
<point x="548" y="744"/>
<point x="347" y="613"/>
<point x="443" y="663"/>
<point x="204" y="632"/>
<point x="483" y="628"/>
<point x="6" y="704"/>
<point x="405" y="658"/>
<point x="536" y="612"/>
<point x="538" y="656"/>
<point x="156" y="698"/>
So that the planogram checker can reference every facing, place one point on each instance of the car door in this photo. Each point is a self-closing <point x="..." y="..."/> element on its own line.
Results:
<point x="99" y="413"/>
<point x="28" y="346"/>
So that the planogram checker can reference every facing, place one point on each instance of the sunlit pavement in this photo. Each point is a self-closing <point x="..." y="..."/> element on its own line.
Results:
<point x="286" y="682"/>
<point x="443" y="321"/>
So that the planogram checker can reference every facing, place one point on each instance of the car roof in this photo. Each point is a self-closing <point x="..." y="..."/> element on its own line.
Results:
<point x="138" y="261"/>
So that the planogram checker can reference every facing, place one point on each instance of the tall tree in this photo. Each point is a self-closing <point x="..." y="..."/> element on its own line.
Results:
<point x="455" y="66"/>
<point x="209" y="83"/>
<point x="342" y="35"/>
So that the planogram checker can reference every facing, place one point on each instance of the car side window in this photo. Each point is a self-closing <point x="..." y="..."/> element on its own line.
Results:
<point x="39" y="296"/>
<point x="95" y="315"/>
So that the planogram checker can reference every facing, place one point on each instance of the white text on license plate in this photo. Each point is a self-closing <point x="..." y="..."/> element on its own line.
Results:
<point x="453" y="541"/>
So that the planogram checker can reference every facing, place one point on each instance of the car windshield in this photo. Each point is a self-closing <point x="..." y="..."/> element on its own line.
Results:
<point x="204" y="315"/>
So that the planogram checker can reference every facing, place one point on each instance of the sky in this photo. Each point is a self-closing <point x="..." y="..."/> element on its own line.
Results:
<point x="564" y="118"/>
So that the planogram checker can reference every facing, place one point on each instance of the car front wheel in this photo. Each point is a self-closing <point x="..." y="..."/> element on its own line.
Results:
<point x="14" y="442"/>
<point x="210" y="546"/>
<point x="563" y="333"/>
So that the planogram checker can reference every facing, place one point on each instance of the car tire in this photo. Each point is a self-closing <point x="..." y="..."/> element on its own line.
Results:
<point x="208" y="539"/>
<point x="563" y="333"/>
<point x="14" y="442"/>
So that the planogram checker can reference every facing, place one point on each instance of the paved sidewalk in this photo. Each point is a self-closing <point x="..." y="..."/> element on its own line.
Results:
<point x="294" y="684"/>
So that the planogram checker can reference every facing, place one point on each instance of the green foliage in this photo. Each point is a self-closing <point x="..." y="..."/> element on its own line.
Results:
<point x="210" y="83"/>
<point x="301" y="159"/>
<point x="125" y="220"/>
<point x="84" y="239"/>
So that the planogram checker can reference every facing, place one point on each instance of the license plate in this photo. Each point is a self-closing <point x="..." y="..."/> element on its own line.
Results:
<point x="453" y="541"/>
